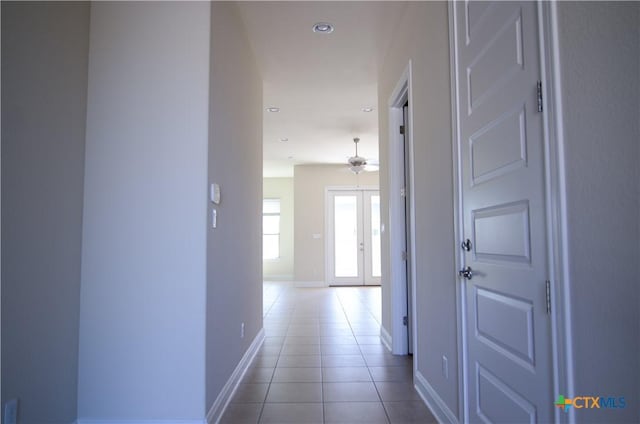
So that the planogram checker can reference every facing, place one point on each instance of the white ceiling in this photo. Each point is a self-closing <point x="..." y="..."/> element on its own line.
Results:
<point x="320" y="82"/>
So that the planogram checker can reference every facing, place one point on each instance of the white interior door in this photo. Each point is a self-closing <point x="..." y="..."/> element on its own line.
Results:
<point x="507" y="328"/>
<point x="354" y="237"/>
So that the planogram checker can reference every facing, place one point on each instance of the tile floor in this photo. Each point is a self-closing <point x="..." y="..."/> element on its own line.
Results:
<point x="322" y="362"/>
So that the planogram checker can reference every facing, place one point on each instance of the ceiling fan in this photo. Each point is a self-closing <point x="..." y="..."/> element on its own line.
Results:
<point x="357" y="164"/>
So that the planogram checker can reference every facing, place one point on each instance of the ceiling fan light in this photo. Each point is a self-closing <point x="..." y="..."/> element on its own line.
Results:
<point x="356" y="169"/>
<point x="357" y="161"/>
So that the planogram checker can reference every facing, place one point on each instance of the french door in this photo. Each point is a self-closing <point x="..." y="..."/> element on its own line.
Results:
<point x="353" y="224"/>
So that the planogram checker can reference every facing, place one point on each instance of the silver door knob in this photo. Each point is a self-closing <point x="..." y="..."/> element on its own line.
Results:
<point x="466" y="273"/>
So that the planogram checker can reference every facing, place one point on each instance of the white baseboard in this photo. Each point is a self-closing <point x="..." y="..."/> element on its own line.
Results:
<point x="310" y="284"/>
<point x="278" y="277"/>
<point x="386" y="338"/>
<point x="222" y="401"/>
<point x="434" y="402"/>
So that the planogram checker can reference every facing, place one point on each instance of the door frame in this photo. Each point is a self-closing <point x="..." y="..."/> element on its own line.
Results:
<point x="555" y="212"/>
<point x="327" y="230"/>
<point x="398" y="227"/>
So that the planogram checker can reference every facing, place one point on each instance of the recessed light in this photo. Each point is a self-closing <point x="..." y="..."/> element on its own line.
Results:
<point x="290" y="157"/>
<point x="367" y="109"/>
<point x="273" y="109"/>
<point x="323" y="28"/>
<point x="283" y="139"/>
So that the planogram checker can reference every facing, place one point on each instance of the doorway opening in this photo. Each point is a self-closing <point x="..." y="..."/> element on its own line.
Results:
<point x="401" y="217"/>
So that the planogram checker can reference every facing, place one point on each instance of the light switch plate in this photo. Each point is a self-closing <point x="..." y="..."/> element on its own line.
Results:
<point x="215" y="193"/>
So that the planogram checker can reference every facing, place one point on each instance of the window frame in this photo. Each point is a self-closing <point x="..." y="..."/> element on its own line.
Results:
<point x="271" y="234"/>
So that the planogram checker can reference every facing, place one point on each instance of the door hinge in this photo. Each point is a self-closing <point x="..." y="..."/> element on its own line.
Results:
<point x="405" y="255"/>
<point x="402" y="129"/>
<point x="548" y="288"/>
<point x="539" y="91"/>
<point x="405" y="320"/>
<point x="403" y="192"/>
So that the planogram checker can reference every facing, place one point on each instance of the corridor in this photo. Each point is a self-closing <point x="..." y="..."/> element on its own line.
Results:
<point x="322" y="362"/>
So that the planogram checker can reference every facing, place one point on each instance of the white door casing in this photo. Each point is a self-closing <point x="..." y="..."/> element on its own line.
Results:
<point x="502" y="201"/>
<point x="402" y="273"/>
<point x="350" y="240"/>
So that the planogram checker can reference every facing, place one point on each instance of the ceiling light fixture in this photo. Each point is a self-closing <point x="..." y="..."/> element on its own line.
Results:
<point x="356" y="162"/>
<point x="367" y="109"/>
<point x="283" y="139"/>
<point x="323" y="28"/>
<point x="273" y="109"/>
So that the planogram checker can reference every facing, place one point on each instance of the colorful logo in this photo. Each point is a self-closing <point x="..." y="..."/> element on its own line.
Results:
<point x="562" y="402"/>
<point x="590" y="402"/>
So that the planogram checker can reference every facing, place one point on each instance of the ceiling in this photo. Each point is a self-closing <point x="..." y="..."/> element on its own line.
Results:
<point x="320" y="82"/>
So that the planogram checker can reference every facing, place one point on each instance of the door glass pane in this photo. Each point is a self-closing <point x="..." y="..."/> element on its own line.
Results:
<point x="271" y="224"/>
<point x="270" y="246"/>
<point x="271" y="206"/>
<point x="376" y="267"/>
<point x="346" y="235"/>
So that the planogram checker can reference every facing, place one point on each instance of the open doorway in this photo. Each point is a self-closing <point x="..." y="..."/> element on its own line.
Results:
<point x="401" y="216"/>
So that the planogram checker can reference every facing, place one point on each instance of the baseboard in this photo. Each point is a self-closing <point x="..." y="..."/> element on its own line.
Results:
<point x="386" y="338"/>
<point x="310" y="284"/>
<point x="222" y="401"/>
<point x="278" y="278"/>
<point x="434" y="402"/>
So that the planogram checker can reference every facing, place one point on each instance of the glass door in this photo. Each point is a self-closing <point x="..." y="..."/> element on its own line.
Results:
<point x="372" y="244"/>
<point x="354" y="237"/>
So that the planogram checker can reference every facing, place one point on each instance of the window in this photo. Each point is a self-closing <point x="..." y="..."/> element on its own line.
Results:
<point x="271" y="229"/>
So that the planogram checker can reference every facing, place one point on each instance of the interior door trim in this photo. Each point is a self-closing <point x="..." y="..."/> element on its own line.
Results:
<point x="402" y="93"/>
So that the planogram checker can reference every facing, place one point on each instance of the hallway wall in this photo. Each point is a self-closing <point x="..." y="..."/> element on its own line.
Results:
<point x="281" y="268"/>
<point x="142" y="320"/>
<point x="234" y="259"/>
<point x="423" y="38"/>
<point x="309" y="183"/>
<point x="45" y="49"/>
<point x="600" y="65"/>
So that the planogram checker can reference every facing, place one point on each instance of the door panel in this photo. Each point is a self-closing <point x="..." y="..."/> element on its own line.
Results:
<point x="509" y="373"/>
<point x="499" y="403"/>
<point x="376" y="240"/>
<point x="354" y="237"/>
<point x="372" y="240"/>
<point x="502" y="233"/>
<point x="347" y="259"/>
<point x="500" y="147"/>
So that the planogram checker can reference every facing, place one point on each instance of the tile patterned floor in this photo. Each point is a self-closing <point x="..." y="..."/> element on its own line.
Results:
<point x="322" y="362"/>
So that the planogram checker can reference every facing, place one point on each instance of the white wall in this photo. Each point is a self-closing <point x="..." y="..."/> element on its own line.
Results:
<point x="309" y="183"/>
<point x="600" y="66"/>
<point x="234" y="248"/>
<point x="281" y="268"/>
<point x="142" y="333"/>
<point x="599" y="47"/>
<point x="44" y="89"/>
<point x="422" y="37"/>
